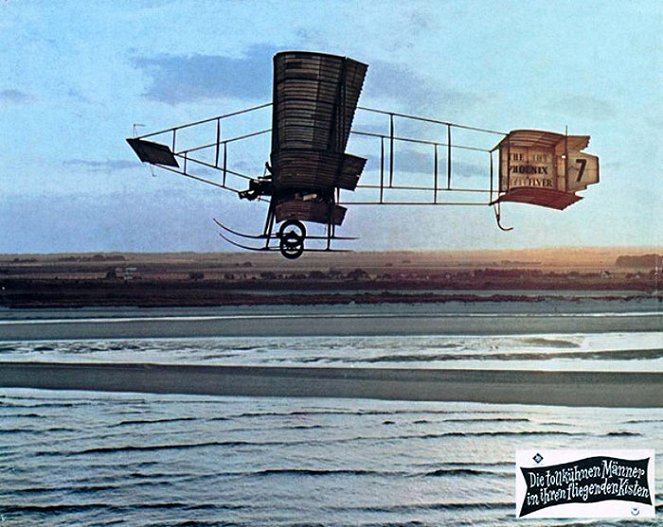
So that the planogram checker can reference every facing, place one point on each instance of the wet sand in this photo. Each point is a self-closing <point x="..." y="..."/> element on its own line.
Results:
<point x="600" y="389"/>
<point x="337" y="324"/>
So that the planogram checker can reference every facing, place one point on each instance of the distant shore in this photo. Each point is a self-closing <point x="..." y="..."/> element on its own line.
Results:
<point x="199" y="280"/>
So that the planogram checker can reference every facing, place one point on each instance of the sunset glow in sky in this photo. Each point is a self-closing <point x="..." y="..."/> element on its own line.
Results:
<point x="76" y="76"/>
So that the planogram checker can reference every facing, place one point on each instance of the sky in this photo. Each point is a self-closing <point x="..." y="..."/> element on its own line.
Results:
<point x="76" y="76"/>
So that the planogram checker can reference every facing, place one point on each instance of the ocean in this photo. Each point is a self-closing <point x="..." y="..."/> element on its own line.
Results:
<point x="97" y="459"/>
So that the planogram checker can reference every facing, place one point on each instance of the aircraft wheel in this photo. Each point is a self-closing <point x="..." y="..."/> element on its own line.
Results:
<point x="293" y="226"/>
<point x="291" y="246"/>
<point x="292" y="234"/>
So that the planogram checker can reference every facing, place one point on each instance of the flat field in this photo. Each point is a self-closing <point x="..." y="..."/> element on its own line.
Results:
<point x="206" y="279"/>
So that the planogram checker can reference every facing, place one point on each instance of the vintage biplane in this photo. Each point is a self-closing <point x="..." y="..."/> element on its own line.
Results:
<point x="315" y="98"/>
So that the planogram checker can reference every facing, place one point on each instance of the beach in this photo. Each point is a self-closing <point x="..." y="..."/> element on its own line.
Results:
<point x="338" y="415"/>
<point x="542" y="362"/>
<point x="575" y="315"/>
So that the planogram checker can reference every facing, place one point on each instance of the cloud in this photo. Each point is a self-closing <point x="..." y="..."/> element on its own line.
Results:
<point x="465" y="169"/>
<point x="404" y="86"/>
<point x="102" y="166"/>
<point x="405" y="161"/>
<point x="583" y="106"/>
<point x="15" y="96"/>
<point x="151" y="222"/>
<point x="404" y="128"/>
<point x="415" y="162"/>
<point x="176" y="79"/>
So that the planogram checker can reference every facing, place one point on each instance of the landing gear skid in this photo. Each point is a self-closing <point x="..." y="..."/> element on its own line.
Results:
<point x="291" y="237"/>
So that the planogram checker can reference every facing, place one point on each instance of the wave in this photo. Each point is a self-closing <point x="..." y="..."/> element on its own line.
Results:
<point x="6" y="404"/>
<point x="19" y="469"/>
<point x="506" y="355"/>
<point x="213" y="523"/>
<point x="153" y="421"/>
<point x="464" y="472"/>
<point x="152" y="478"/>
<point x="323" y="412"/>
<point x="355" y="412"/>
<point x="419" y="507"/>
<point x="317" y="472"/>
<point x="104" y="450"/>
<point x="146" y="448"/>
<point x="43" y="348"/>
<point x="605" y="522"/>
<point x="36" y="431"/>
<point x="84" y="489"/>
<point x="149" y="448"/>
<point x="489" y="420"/>
<point x="443" y="435"/>
<point x="496" y="433"/>
<point x="31" y="415"/>
<point x="456" y="464"/>
<point x="550" y="343"/>
<point x="411" y="523"/>
<point x="72" y="508"/>
<point x="90" y="400"/>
